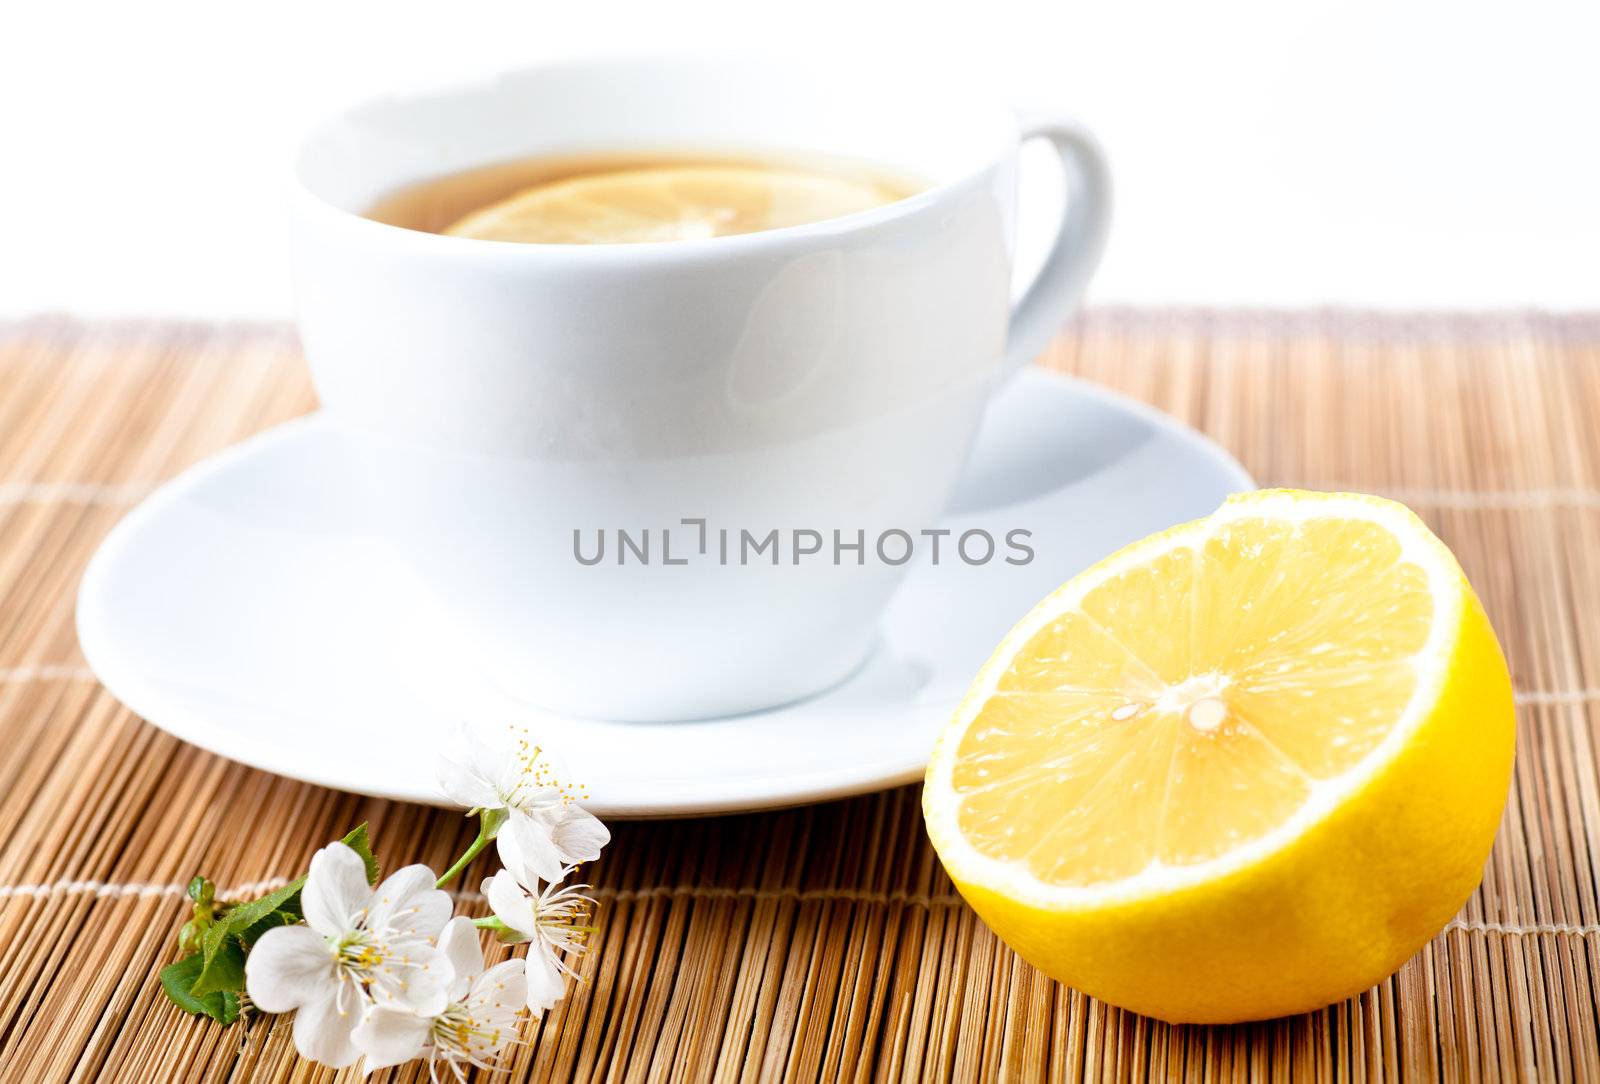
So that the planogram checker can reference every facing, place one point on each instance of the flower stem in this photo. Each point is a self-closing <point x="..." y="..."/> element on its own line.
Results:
<point x="501" y="931"/>
<point x="489" y="822"/>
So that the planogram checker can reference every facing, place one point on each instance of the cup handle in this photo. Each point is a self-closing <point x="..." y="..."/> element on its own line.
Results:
<point x="1074" y="254"/>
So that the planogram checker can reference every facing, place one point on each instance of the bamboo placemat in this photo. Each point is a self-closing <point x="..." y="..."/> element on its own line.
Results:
<point x="819" y="943"/>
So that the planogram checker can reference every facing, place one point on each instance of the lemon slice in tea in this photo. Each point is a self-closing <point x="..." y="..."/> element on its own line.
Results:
<point x="668" y="203"/>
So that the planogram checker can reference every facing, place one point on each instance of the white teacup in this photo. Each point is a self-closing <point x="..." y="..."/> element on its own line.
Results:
<point x="817" y="378"/>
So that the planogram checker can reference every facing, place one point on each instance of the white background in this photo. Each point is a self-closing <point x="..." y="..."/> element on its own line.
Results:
<point x="1397" y="155"/>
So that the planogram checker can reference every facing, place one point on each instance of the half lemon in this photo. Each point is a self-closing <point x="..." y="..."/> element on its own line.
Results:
<point x="1242" y="768"/>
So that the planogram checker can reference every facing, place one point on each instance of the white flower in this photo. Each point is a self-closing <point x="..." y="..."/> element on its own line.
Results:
<point x="546" y="827"/>
<point x="360" y="947"/>
<point x="479" y="1020"/>
<point x="553" y="922"/>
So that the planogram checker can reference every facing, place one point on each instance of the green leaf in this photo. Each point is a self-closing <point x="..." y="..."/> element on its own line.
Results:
<point x="221" y="945"/>
<point x="221" y="964"/>
<point x="178" y="977"/>
<point x="357" y="841"/>
<point x="277" y="918"/>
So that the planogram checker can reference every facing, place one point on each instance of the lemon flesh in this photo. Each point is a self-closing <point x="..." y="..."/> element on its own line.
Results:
<point x="1243" y="768"/>
<point x="670" y="203"/>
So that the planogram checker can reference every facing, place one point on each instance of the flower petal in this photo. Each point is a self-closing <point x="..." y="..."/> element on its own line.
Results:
<point x="579" y="835"/>
<point x="336" y="890"/>
<point x="510" y="902"/>
<point x="407" y="905"/>
<point x="322" y="1032"/>
<point x="425" y="989"/>
<point x="461" y="772"/>
<point x="546" y="983"/>
<point x="462" y="946"/>
<point x="288" y="967"/>
<point x="499" y="994"/>
<point x="389" y="1037"/>
<point x="528" y="849"/>
<point x="487" y="748"/>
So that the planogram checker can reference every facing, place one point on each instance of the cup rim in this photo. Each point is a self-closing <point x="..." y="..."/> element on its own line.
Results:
<point x="1006" y="138"/>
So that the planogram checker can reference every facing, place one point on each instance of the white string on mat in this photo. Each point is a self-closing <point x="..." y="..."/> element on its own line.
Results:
<point x="125" y="889"/>
<point x="1547" y="697"/>
<point x="113" y="494"/>
<point x="45" y="672"/>
<point x="144" y="889"/>
<point x="1568" y="929"/>
<point x="67" y="672"/>
<point x="1475" y="500"/>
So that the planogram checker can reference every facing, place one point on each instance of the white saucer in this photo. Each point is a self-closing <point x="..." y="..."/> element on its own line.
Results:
<point x="239" y="609"/>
